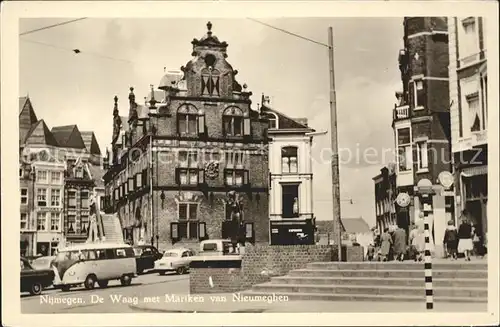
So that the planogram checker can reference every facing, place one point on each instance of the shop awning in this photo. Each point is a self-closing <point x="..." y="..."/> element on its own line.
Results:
<point x="475" y="171"/>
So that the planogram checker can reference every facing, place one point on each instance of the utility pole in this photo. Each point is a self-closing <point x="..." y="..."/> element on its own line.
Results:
<point x="337" y="224"/>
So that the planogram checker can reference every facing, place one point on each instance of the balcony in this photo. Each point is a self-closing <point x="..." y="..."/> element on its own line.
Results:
<point x="401" y="112"/>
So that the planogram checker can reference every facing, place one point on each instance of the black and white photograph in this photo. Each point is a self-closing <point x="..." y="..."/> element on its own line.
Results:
<point x="209" y="162"/>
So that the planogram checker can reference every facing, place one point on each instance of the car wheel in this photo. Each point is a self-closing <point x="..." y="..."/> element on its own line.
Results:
<point x="36" y="289"/>
<point x="90" y="282"/>
<point x="103" y="283"/>
<point x="126" y="280"/>
<point x="180" y="271"/>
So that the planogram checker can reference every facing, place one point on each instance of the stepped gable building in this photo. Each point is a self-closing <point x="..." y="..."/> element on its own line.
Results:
<point x="469" y="117"/>
<point x="421" y="122"/>
<point x="385" y="197"/>
<point x="174" y="159"/>
<point x="53" y="198"/>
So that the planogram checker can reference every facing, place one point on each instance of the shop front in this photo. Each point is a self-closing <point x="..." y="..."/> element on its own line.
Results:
<point x="47" y="243"/>
<point x="27" y="244"/>
<point x="474" y="191"/>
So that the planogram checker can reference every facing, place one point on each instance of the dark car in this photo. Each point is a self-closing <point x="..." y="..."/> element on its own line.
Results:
<point x="33" y="280"/>
<point x="146" y="255"/>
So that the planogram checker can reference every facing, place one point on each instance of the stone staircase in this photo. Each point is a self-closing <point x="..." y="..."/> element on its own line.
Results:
<point x="112" y="228"/>
<point x="456" y="281"/>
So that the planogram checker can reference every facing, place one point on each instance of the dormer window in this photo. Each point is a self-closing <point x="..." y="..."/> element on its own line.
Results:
<point x="79" y="172"/>
<point x="273" y="121"/>
<point x="233" y="122"/>
<point x="187" y="120"/>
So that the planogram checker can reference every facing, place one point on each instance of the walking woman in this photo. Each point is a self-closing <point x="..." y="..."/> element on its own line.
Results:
<point x="386" y="239"/>
<point x="465" y="244"/>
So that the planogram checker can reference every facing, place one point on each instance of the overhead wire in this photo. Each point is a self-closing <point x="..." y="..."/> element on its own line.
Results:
<point x="52" y="26"/>
<point x="288" y="32"/>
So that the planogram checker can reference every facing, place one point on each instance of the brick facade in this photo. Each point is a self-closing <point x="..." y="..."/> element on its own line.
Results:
<point x="196" y="139"/>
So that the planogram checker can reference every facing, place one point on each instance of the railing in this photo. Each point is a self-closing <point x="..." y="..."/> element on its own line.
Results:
<point x="401" y="112"/>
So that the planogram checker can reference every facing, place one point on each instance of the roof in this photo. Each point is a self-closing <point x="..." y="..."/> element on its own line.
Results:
<point x="285" y="122"/>
<point x="40" y="134"/>
<point x="96" y="174"/>
<point x="68" y="136"/>
<point x="90" y="142"/>
<point x="125" y="125"/>
<point x="355" y="225"/>
<point x="93" y="246"/>
<point x="27" y="118"/>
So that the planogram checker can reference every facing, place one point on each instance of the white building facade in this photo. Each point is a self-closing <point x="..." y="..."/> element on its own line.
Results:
<point x="291" y="177"/>
<point x="469" y="117"/>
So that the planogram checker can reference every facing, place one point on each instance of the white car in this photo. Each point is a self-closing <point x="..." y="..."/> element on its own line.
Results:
<point x="177" y="260"/>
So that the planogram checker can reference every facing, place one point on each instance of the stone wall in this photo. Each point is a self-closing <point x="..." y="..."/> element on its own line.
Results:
<point x="258" y="264"/>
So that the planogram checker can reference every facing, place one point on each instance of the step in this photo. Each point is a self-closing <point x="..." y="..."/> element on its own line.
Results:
<point x="419" y="282"/>
<point x="450" y="274"/>
<point x="370" y="289"/>
<point x="451" y="265"/>
<point x="367" y="297"/>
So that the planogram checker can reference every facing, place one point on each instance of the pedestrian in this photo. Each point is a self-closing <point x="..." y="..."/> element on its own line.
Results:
<point x="418" y="240"/>
<point x="465" y="245"/>
<point x="385" y="248"/>
<point x="399" y="244"/>
<point x="476" y="241"/>
<point x="450" y="240"/>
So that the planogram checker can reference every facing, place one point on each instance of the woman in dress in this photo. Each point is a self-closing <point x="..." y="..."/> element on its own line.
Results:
<point x="386" y="240"/>
<point x="465" y="244"/>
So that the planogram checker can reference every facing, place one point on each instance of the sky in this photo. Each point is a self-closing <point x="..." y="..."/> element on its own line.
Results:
<point x="67" y="88"/>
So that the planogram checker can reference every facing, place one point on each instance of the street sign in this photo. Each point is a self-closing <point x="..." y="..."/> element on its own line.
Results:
<point x="403" y="199"/>
<point x="445" y="179"/>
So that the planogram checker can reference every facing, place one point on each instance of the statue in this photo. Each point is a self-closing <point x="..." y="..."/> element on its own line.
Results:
<point x="235" y="211"/>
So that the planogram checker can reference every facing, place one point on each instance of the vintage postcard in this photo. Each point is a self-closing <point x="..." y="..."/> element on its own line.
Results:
<point x="168" y="163"/>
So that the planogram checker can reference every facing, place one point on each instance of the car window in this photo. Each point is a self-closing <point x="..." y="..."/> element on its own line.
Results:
<point x="185" y="254"/>
<point x="147" y="251"/>
<point x="210" y="247"/>
<point x="137" y="251"/>
<point x="120" y="253"/>
<point x="170" y="254"/>
<point x="101" y="255"/>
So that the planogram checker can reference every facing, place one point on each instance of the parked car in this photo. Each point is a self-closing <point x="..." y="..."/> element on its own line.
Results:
<point x="41" y="263"/>
<point x="145" y="257"/>
<point x="177" y="260"/>
<point x="215" y="247"/>
<point x="34" y="280"/>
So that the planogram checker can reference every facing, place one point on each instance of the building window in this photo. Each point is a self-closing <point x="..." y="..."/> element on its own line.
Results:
<point x="273" y="121"/>
<point x="210" y="81"/>
<point x="404" y="149"/>
<point x="422" y="156"/>
<point x="24" y="221"/>
<point x="55" y="177"/>
<point x="188" y="220"/>
<point x="41" y="176"/>
<point x="232" y="121"/>
<point x="41" y="221"/>
<point x="234" y="177"/>
<point x="41" y="197"/>
<point x="84" y="223"/>
<point x="55" y="198"/>
<point x="187" y="173"/>
<point x="484" y="104"/>
<point x="20" y="172"/>
<point x="24" y="196"/>
<point x="418" y="94"/>
<point x="84" y="199"/>
<point x="79" y="172"/>
<point x="475" y="114"/>
<point x="187" y="120"/>
<point x="290" y="201"/>
<point x="72" y="199"/>
<point x="468" y="47"/>
<point x="55" y="221"/>
<point x="289" y="160"/>
<point x="71" y="223"/>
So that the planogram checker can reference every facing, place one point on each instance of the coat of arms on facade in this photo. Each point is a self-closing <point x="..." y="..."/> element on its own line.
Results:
<point x="212" y="170"/>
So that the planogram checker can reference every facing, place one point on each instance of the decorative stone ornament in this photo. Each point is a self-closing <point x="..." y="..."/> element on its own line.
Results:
<point x="212" y="170"/>
<point x="445" y="178"/>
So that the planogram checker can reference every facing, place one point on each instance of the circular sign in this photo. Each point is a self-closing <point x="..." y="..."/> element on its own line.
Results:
<point x="403" y="199"/>
<point x="212" y="170"/>
<point x="445" y="179"/>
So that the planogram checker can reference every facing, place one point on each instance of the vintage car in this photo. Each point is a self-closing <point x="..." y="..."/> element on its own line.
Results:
<point x="41" y="263"/>
<point x="33" y="280"/>
<point x="145" y="257"/>
<point x="177" y="260"/>
<point x="215" y="247"/>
